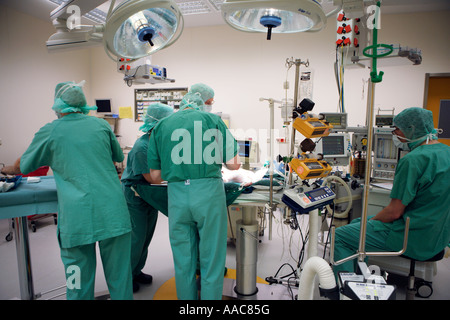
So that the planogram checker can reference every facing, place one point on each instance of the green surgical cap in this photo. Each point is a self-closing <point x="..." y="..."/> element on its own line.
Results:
<point x="193" y="100"/>
<point x="69" y="97"/>
<point x="205" y="91"/>
<point x="155" y="112"/>
<point x="415" y="123"/>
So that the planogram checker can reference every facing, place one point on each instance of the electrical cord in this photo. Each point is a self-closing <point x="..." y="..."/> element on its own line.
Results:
<point x="329" y="230"/>
<point x="275" y="280"/>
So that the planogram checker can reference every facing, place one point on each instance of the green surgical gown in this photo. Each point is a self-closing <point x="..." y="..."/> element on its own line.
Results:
<point x="190" y="144"/>
<point x="422" y="184"/>
<point x="81" y="150"/>
<point x="189" y="148"/>
<point x="137" y="163"/>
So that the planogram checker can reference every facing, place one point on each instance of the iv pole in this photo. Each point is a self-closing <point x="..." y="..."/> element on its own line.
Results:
<point x="270" y="206"/>
<point x="374" y="78"/>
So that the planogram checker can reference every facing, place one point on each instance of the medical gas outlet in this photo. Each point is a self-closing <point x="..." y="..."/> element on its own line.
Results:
<point x="348" y="31"/>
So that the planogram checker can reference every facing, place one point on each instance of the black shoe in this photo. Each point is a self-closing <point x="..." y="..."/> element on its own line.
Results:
<point x="143" y="278"/>
<point x="198" y="281"/>
<point x="135" y="287"/>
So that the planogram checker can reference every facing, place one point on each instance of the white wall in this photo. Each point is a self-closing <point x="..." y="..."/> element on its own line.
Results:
<point x="28" y="78"/>
<point x="241" y="67"/>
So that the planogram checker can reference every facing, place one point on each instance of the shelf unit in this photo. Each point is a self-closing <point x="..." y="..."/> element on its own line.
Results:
<point x="144" y="97"/>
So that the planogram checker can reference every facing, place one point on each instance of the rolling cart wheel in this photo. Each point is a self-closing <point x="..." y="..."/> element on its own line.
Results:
<point x="9" y="237"/>
<point x="424" y="289"/>
<point x="55" y="219"/>
<point x="33" y="227"/>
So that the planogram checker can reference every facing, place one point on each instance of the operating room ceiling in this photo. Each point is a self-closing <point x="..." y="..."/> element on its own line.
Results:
<point x="207" y="12"/>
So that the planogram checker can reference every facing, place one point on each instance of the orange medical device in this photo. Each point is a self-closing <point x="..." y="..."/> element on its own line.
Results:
<point x="312" y="127"/>
<point x="310" y="168"/>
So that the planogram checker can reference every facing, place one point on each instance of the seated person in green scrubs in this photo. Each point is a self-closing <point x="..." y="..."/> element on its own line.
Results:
<point x="420" y="191"/>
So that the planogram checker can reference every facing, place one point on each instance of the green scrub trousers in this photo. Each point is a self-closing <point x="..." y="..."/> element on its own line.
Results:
<point x="144" y="207"/>
<point x="115" y="254"/>
<point x="143" y="220"/>
<point x="347" y="242"/>
<point x="194" y="216"/>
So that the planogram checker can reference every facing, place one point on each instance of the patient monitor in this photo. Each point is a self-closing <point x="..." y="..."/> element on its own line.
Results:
<point x="248" y="152"/>
<point x="336" y="148"/>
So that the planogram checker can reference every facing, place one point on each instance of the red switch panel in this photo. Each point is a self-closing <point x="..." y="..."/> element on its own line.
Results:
<point x="347" y="31"/>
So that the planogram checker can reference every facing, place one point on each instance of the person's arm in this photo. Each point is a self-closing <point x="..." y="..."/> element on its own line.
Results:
<point x="12" y="170"/>
<point x="155" y="177"/>
<point x="230" y="147"/>
<point x="116" y="149"/>
<point x="393" y="211"/>
<point x="234" y="163"/>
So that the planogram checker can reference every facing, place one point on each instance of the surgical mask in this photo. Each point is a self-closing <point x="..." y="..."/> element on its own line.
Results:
<point x="207" y="108"/>
<point x="399" y="144"/>
<point x="406" y="145"/>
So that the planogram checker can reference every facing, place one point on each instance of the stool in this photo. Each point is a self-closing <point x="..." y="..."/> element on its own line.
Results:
<point x="417" y="289"/>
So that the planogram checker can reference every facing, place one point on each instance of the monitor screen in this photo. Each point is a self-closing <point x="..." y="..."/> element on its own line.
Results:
<point x="103" y="105"/>
<point x="244" y="148"/>
<point x="334" y="120"/>
<point x="317" y="192"/>
<point x="316" y="124"/>
<point x="313" y="165"/>
<point x="333" y="145"/>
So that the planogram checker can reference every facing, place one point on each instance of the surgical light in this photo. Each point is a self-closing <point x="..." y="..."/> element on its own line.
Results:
<point x="277" y="16"/>
<point x="136" y="29"/>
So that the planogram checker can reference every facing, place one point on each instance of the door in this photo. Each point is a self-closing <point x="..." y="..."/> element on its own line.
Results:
<point x="437" y="100"/>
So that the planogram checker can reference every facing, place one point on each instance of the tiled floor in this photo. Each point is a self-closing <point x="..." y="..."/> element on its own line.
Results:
<point x="284" y="247"/>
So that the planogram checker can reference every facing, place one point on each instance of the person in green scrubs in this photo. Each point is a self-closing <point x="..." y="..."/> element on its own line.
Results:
<point x="206" y="93"/>
<point x="81" y="151"/>
<point x="188" y="149"/>
<point x="143" y="215"/>
<point x="420" y="191"/>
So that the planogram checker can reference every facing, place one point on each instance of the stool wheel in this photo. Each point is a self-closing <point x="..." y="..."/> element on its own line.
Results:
<point x="424" y="289"/>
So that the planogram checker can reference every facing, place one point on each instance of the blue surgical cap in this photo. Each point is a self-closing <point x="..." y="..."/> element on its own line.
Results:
<point x="416" y="124"/>
<point x="155" y="112"/>
<point x="205" y="91"/>
<point x="192" y="100"/>
<point x="69" y="97"/>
